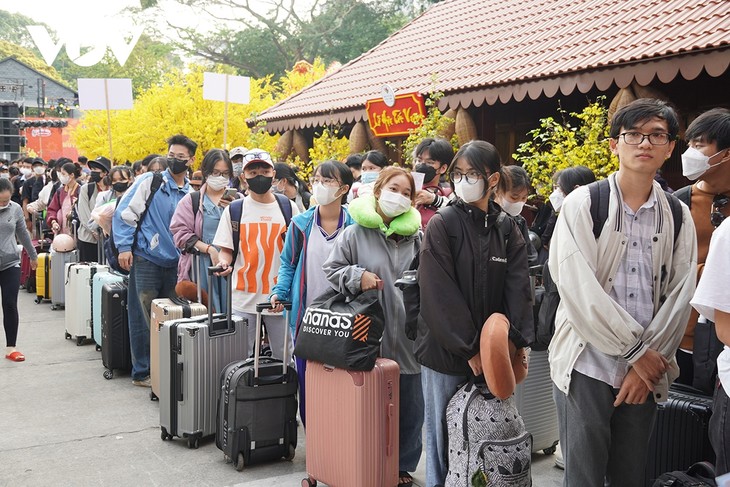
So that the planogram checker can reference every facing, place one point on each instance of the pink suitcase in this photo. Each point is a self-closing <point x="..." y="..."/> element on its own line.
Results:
<point x="352" y="425"/>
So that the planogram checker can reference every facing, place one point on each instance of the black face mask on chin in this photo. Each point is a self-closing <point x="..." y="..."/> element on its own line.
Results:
<point x="177" y="166"/>
<point x="260" y="184"/>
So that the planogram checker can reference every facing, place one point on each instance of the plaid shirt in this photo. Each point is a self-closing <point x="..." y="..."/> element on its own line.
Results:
<point x="632" y="290"/>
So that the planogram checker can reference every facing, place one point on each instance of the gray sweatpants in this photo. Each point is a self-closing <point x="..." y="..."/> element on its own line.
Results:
<point x="602" y="444"/>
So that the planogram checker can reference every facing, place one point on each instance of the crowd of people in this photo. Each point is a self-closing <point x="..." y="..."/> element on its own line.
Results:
<point x="623" y="331"/>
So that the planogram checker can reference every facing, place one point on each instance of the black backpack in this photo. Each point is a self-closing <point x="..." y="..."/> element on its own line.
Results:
<point x="600" y="192"/>
<point x="701" y="474"/>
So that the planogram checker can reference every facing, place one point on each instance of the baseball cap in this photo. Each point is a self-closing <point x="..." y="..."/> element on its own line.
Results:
<point x="257" y="155"/>
<point x="237" y="151"/>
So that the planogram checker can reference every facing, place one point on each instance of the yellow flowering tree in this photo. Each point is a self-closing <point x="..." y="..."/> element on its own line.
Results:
<point x="556" y="145"/>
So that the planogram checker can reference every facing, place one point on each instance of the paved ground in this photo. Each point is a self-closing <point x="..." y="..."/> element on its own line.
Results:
<point x="63" y="424"/>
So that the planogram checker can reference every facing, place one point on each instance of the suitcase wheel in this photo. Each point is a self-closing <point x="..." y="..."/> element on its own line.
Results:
<point x="227" y="458"/>
<point x="164" y="435"/>
<point x="54" y="307"/>
<point x="292" y="452"/>
<point x="239" y="463"/>
<point x="80" y="341"/>
<point x="68" y="336"/>
<point x="153" y="396"/>
<point x="550" y="451"/>
<point x="98" y="348"/>
<point x="309" y="482"/>
<point x="108" y="374"/>
<point x="38" y="300"/>
<point x="193" y="443"/>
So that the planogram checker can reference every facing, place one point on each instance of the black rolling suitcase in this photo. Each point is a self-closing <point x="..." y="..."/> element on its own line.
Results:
<point x="115" y="352"/>
<point x="257" y="406"/>
<point x="680" y="437"/>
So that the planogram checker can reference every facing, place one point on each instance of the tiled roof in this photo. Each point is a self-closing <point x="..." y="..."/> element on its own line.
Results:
<point x="510" y="48"/>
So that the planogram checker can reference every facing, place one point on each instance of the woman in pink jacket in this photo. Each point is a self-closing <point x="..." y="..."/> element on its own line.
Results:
<point x="196" y="220"/>
<point x="63" y="201"/>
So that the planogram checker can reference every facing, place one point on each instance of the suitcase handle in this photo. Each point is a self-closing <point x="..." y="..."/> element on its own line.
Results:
<point x="260" y="307"/>
<point x="229" y="290"/>
<point x="388" y="430"/>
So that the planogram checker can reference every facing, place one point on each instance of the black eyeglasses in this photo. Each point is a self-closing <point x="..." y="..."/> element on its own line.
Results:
<point x="719" y="202"/>
<point x="636" y="138"/>
<point x="257" y="156"/>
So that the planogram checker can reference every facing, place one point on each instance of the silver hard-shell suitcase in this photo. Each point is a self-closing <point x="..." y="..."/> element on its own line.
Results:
<point x="59" y="261"/>
<point x="534" y="398"/>
<point x="192" y="353"/>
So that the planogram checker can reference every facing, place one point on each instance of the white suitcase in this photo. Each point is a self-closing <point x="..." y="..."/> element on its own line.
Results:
<point x="78" y="288"/>
<point x="535" y="403"/>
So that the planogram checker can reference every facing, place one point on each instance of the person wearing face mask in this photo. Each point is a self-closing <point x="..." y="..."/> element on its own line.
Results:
<point x="511" y="196"/>
<point x="119" y="179"/>
<point x="432" y="158"/>
<point x="141" y="232"/>
<point x="309" y="240"/>
<point x="473" y="263"/>
<point x="706" y="160"/>
<point x="12" y="231"/>
<point x="196" y="220"/>
<point x="255" y="258"/>
<point x="372" y="254"/>
<point x="237" y="181"/>
<point x="31" y="186"/>
<point x="372" y="163"/>
<point x="61" y="206"/>
<point x="88" y="194"/>
<point x="25" y="172"/>
<point x="288" y="183"/>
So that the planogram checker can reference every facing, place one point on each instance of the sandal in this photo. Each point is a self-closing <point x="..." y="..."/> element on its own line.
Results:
<point x="404" y="479"/>
<point x="15" y="356"/>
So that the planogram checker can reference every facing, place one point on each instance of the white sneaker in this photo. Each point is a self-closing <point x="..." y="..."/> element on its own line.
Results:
<point x="559" y="460"/>
<point x="142" y="382"/>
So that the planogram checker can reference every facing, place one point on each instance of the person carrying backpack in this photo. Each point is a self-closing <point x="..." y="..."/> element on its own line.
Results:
<point x="142" y="236"/>
<point x="86" y="238"/>
<point x="473" y="263"/>
<point x="623" y="305"/>
<point x="251" y="237"/>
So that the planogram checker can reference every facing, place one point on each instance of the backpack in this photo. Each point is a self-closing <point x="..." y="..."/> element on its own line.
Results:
<point x="599" y="193"/>
<point x="236" y="209"/>
<point x="707" y="346"/>
<point x="110" y="249"/>
<point x="488" y="443"/>
<point x="701" y="474"/>
<point x="408" y="284"/>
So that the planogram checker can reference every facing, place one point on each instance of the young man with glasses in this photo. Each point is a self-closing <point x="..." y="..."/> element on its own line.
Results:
<point x="624" y="303"/>
<point x="254" y="256"/>
<point x="142" y="234"/>
<point x="433" y="157"/>
<point x="706" y="160"/>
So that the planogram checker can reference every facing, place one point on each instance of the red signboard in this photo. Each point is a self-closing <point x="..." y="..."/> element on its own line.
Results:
<point x="405" y="114"/>
<point x="51" y="142"/>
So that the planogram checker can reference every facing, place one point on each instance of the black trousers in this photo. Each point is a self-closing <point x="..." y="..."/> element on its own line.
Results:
<point x="88" y="252"/>
<point x="9" y="286"/>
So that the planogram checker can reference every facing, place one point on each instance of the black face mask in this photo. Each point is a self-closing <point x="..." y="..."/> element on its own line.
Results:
<point x="177" y="166"/>
<point x="94" y="177"/>
<point x="120" y="187"/>
<point x="260" y="184"/>
<point x="428" y="171"/>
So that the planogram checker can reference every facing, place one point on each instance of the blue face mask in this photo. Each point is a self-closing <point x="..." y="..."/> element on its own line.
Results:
<point x="368" y="177"/>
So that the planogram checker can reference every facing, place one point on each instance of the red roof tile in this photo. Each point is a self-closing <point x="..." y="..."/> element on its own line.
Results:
<point x="475" y="47"/>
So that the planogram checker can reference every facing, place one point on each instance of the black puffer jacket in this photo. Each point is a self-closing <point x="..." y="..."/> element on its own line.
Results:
<point x="468" y="271"/>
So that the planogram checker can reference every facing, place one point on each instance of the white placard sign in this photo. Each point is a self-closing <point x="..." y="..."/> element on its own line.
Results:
<point x="418" y="179"/>
<point x="226" y="87"/>
<point x="105" y="94"/>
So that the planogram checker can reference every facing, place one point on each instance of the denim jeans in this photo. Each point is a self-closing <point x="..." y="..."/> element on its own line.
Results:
<point x="438" y="389"/>
<point x="602" y="444"/>
<point x="411" y="422"/>
<point x="147" y="281"/>
<point x="720" y="431"/>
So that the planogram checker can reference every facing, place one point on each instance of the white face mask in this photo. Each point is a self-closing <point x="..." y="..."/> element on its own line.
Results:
<point x="64" y="179"/>
<point x="556" y="199"/>
<point x="39" y="170"/>
<point x="324" y="194"/>
<point x="393" y="204"/>
<point x="25" y="171"/>
<point x="512" y="208"/>
<point x="695" y="163"/>
<point x="469" y="192"/>
<point x="368" y="177"/>
<point x="216" y="183"/>
<point x="5" y="175"/>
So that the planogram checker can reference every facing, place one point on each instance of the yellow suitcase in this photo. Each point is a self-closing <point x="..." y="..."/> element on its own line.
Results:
<point x="43" y="277"/>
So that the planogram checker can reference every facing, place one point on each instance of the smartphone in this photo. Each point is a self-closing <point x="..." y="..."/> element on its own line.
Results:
<point x="230" y="193"/>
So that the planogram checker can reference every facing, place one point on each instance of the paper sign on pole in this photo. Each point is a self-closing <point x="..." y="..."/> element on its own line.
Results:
<point x="226" y="87"/>
<point x="105" y="94"/>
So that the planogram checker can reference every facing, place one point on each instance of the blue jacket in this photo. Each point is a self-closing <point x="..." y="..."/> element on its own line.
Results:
<point x="291" y="282"/>
<point x="154" y="240"/>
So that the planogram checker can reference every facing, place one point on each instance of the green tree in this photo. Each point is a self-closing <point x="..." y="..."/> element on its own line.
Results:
<point x="556" y="145"/>
<point x="13" y="29"/>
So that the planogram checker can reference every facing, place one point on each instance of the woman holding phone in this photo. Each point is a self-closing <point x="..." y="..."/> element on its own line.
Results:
<point x="196" y="220"/>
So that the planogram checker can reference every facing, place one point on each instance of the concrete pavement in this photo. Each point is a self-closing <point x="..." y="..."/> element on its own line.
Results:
<point x="63" y="424"/>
